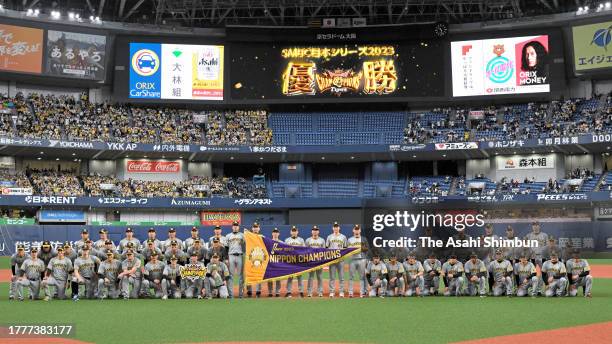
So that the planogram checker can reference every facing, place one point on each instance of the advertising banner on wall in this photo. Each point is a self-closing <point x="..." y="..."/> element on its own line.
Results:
<point x="500" y="66"/>
<point x="527" y="162"/>
<point x="21" y="49"/>
<point x="219" y="218"/>
<point x="76" y="55"/>
<point x="176" y="71"/>
<point x="150" y="166"/>
<point x="592" y="46"/>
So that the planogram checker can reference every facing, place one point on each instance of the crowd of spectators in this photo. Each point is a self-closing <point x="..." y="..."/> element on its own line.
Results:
<point x="97" y="185"/>
<point x="17" y="180"/>
<point x="53" y="183"/>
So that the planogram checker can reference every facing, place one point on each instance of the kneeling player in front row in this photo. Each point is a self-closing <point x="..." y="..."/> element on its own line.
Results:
<point x="579" y="271"/>
<point x="218" y="278"/>
<point x="476" y="273"/>
<point x="501" y="275"/>
<point x="58" y="271"/>
<point x="376" y="275"/>
<point x="555" y="276"/>
<point x="526" y="279"/>
<point x="452" y="273"/>
<point x="153" y="277"/>
<point x="108" y="273"/>
<point x="396" y="277"/>
<point x="414" y="276"/>
<point x="431" y="275"/>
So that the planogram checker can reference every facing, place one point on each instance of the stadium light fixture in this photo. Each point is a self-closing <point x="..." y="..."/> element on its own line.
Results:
<point x="39" y="158"/>
<point x="71" y="15"/>
<point x="56" y="15"/>
<point x="608" y="5"/>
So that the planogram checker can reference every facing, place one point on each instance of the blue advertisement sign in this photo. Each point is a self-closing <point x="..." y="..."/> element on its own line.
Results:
<point x="61" y="216"/>
<point x="145" y="70"/>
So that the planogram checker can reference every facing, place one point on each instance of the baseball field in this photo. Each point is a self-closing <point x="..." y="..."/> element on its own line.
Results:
<point x="373" y="320"/>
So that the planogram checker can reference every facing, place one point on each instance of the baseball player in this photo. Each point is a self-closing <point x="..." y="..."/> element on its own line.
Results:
<point x="554" y="274"/>
<point x="84" y="237"/>
<point x="315" y="241"/>
<point x="130" y="276"/>
<point x="274" y="288"/>
<point x="100" y="244"/>
<point x="395" y="285"/>
<point x="414" y="276"/>
<point x="174" y="250"/>
<point x="194" y="236"/>
<point x="168" y="243"/>
<point x="149" y="248"/>
<point x="108" y="246"/>
<point x="153" y="276"/>
<point x="255" y="229"/>
<point x="129" y="238"/>
<point x="85" y="268"/>
<point x="171" y="281"/>
<point x="152" y="236"/>
<point x="501" y="271"/>
<point x="511" y="253"/>
<point x="551" y="247"/>
<point x="218" y="276"/>
<point x="56" y="276"/>
<point x="108" y="277"/>
<point x="452" y="273"/>
<point x="295" y="240"/>
<point x="235" y="250"/>
<point x="376" y="275"/>
<point x="30" y="275"/>
<point x="218" y="249"/>
<point x="197" y="248"/>
<point x="525" y="275"/>
<point x="337" y="240"/>
<point x="431" y="275"/>
<point x="579" y="272"/>
<point x="70" y="253"/>
<point x="542" y="238"/>
<point x="46" y="252"/>
<point x="476" y="276"/>
<point x="357" y="264"/>
<point x="130" y="247"/>
<point x="218" y="234"/>
<point x="193" y="288"/>
<point x="17" y="260"/>
<point x="487" y="253"/>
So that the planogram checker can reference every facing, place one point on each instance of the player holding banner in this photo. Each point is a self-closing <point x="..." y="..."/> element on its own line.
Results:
<point x="295" y="240"/>
<point x="315" y="241"/>
<point x="357" y="264"/>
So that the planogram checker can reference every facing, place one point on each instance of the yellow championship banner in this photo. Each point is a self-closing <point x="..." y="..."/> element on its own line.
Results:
<point x="269" y="260"/>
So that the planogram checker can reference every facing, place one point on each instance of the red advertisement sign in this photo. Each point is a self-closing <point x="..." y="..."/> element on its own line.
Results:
<point x="149" y="166"/>
<point x="219" y="218"/>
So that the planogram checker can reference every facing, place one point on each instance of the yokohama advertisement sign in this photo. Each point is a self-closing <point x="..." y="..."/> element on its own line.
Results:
<point x="149" y="166"/>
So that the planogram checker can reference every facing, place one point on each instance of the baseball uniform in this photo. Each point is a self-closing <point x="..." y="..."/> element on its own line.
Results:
<point x="454" y="283"/>
<point x="579" y="276"/>
<point x="475" y="275"/>
<point x="108" y="282"/>
<point x="338" y="241"/>
<point x="320" y="243"/>
<point x="396" y="278"/>
<point x="557" y="272"/>
<point x="235" y="251"/>
<point x="59" y="271"/>
<point x="376" y="274"/>
<point x="357" y="265"/>
<point x="526" y="279"/>
<point x="431" y="276"/>
<point x="502" y="277"/>
<point x="414" y="277"/>
<point x="31" y="270"/>
<point x="297" y="241"/>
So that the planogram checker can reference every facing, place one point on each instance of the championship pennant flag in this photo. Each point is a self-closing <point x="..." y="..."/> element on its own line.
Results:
<point x="269" y="260"/>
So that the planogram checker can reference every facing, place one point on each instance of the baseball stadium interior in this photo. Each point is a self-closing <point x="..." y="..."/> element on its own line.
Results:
<point x="220" y="120"/>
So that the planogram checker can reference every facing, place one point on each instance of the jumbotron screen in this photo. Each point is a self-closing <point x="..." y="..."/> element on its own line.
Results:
<point x="176" y="71"/>
<point x="512" y="65"/>
<point x="303" y="71"/>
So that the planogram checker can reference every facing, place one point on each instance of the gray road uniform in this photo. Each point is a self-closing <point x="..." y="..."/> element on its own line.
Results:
<point x="320" y="243"/>
<point x="78" y="245"/>
<point x="60" y="270"/>
<point x="46" y="256"/>
<point x="100" y="245"/>
<point x="512" y="253"/>
<point x="558" y="272"/>
<point x="134" y="279"/>
<point x="217" y="273"/>
<point x="235" y="251"/>
<point x="101" y="254"/>
<point x="454" y="283"/>
<point x="357" y="265"/>
<point x="413" y="280"/>
<point x="146" y="252"/>
<point x="152" y="272"/>
<point x="336" y="270"/>
<point x="274" y="287"/>
<point x="502" y="277"/>
<point x="109" y="271"/>
<point x="581" y="269"/>
<point x="16" y="262"/>
<point x="431" y="276"/>
<point x="167" y="244"/>
<point x="376" y="275"/>
<point x="478" y="269"/>
<point x="193" y="287"/>
<point x="486" y="254"/>
<point x="201" y="252"/>
<point x="180" y="255"/>
<point x="171" y="282"/>
<point x="542" y="239"/>
<point x="32" y="271"/>
<point x="222" y="241"/>
<point x="156" y="243"/>
<point x="297" y="241"/>
<point x="72" y="255"/>
<point x="396" y="279"/>
<point x="87" y="269"/>
<point x="526" y="279"/>
<point x="189" y="242"/>
<point x="124" y="243"/>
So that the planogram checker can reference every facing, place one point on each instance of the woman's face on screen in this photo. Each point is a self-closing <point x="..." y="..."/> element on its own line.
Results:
<point x="532" y="56"/>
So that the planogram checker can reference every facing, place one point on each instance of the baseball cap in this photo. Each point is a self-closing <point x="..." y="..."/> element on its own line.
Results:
<point x="255" y="224"/>
<point x="171" y="230"/>
<point x="194" y="254"/>
<point x="154" y="254"/>
<point x="453" y="256"/>
<point x="151" y="230"/>
<point x="217" y="227"/>
<point x="315" y="228"/>
<point x="336" y="224"/>
<point x="102" y="231"/>
<point x="215" y="239"/>
<point x="554" y="254"/>
<point x="193" y="229"/>
<point x="33" y="250"/>
<point x="66" y="244"/>
<point x="431" y="255"/>
<point x="356" y="227"/>
<point x="275" y="230"/>
<point x="174" y="243"/>
<point x="473" y="255"/>
<point x="20" y="247"/>
<point x="235" y="223"/>
<point x="293" y="228"/>
<point x="196" y="241"/>
<point x="130" y="253"/>
<point x="46" y="244"/>
<point x="215" y="255"/>
<point x="84" y="248"/>
<point x="109" y="253"/>
<point x="84" y="231"/>
<point x="60" y="249"/>
<point x="150" y="242"/>
<point x="173" y="257"/>
<point x="129" y="230"/>
<point x="130" y="244"/>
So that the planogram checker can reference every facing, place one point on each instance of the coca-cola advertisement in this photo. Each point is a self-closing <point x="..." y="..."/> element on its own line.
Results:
<point x="150" y="166"/>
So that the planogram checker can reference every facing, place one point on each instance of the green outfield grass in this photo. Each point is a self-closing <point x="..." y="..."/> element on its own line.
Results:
<point x="389" y="320"/>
